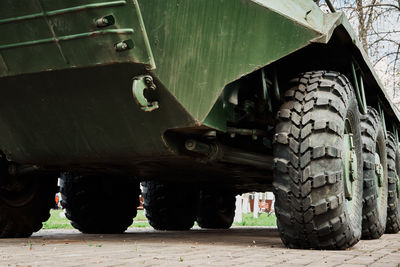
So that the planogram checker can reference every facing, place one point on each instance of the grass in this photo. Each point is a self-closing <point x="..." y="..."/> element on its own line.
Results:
<point x="58" y="222"/>
<point x="264" y="219"/>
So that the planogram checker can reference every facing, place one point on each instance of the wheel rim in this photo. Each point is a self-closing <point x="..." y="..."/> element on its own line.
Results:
<point x="350" y="166"/>
<point x="379" y="174"/>
<point x="397" y="177"/>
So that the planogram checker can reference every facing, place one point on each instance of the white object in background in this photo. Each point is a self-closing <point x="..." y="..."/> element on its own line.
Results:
<point x="238" y="211"/>
<point x="271" y="196"/>
<point x="245" y="203"/>
<point x="256" y="207"/>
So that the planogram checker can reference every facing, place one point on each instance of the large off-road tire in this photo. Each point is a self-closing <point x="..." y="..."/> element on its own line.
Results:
<point x="216" y="209"/>
<point x="99" y="204"/>
<point x="169" y="206"/>
<point x="25" y="203"/>
<point x="375" y="176"/>
<point x="393" y="165"/>
<point x="318" y="204"/>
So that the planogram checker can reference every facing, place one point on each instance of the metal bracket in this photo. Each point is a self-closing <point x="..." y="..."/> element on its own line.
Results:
<point x="330" y="5"/>
<point x="139" y="85"/>
<point x="360" y="93"/>
<point x="379" y="170"/>
<point x="277" y="93"/>
<point x="145" y="36"/>
<point x="266" y="84"/>
<point x="382" y="114"/>
<point x="396" y="134"/>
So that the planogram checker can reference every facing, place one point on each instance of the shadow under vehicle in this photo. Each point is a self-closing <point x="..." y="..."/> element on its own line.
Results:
<point x="199" y="101"/>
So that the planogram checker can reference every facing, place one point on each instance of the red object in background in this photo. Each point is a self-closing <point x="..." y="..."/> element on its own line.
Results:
<point x="251" y="201"/>
<point x="266" y="205"/>
<point x="141" y="203"/>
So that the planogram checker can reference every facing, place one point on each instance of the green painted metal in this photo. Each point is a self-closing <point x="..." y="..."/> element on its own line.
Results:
<point x="56" y="35"/>
<point x="346" y="167"/>
<point x="382" y="115"/>
<point x="378" y="170"/>
<point x="360" y="93"/>
<point x="350" y="167"/>
<point x="75" y="76"/>
<point x="61" y="11"/>
<point x="145" y="37"/>
<point x="380" y="176"/>
<point x="67" y="38"/>
<point x="235" y="38"/>
<point x="349" y="161"/>
<point x="83" y="117"/>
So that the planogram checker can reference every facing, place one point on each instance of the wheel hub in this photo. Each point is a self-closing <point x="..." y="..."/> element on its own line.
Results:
<point x="18" y="193"/>
<point x="350" y="168"/>
<point x="378" y="170"/>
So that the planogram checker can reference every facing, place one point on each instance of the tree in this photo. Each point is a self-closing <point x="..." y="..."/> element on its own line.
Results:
<point x="378" y="28"/>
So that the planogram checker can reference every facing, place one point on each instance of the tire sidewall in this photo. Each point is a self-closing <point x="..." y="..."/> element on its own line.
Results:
<point x="354" y="215"/>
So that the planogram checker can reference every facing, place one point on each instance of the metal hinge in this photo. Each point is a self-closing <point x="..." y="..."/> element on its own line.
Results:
<point x="139" y="85"/>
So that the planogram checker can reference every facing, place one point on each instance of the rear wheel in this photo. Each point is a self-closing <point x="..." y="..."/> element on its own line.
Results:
<point x="169" y="206"/>
<point x="393" y="165"/>
<point x="99" y="204"/>
<point x="216" y="209"/>
<point x="318" y="164"/>
<point x="375" y="176"/>
<point x="25" y="202"/>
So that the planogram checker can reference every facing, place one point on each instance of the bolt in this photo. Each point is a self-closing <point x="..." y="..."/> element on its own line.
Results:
<point x="102" y="22"/>
<point x="121" y="46"/>
<point x="353" y="169"/>
<point x="190" y="144"/>
<point x="351" y="142"/>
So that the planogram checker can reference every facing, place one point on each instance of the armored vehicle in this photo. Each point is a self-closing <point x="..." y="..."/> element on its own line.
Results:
<point x="199" y="101"/>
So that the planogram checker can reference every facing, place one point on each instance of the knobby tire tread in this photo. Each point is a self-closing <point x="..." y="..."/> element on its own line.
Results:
<point x="308" y="183"/>
<point x="169" y="206"/>
<point x="374" y="217"/>
<point x="216" y="209"/>
<point x="393" y="210"/>
<point x="99" y="204"/>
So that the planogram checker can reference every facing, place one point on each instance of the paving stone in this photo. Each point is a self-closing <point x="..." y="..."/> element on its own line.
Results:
<point x="249" y="246"/>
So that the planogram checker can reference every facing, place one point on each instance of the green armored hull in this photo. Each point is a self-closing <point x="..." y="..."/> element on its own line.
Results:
<point x="199" y="93"/>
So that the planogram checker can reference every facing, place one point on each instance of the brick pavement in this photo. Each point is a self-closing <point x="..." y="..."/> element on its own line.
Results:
<point x="250" y="246"/>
